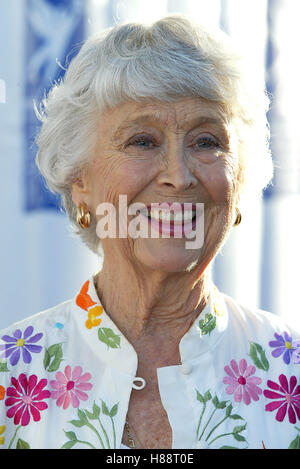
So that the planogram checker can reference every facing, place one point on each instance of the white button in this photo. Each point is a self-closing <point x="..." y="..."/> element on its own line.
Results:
<point x="185" y="369"/>
<point x="202" y="445"/>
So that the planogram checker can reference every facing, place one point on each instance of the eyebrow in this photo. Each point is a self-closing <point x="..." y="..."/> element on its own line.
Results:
<point x="147" y="118"/>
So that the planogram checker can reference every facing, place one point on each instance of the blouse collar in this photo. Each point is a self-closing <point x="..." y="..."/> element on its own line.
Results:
<point x="112" y="347"/>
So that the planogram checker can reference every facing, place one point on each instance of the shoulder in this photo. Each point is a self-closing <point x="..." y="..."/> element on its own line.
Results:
<point x="42" y="320"/>
<point x="265" y="336"/>
<point x="257" y="321"/>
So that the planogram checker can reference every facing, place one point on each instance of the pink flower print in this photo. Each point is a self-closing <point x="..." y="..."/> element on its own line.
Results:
<point x="69" y="387"/>
<point x="241" y="382"/>
<point x="286" y="398"/>
<point x="26" y="397"/>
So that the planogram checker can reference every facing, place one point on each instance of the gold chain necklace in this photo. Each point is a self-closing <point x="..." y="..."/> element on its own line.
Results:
<point x="130" y="437"/>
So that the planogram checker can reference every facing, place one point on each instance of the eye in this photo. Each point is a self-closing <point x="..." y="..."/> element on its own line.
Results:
<point x="206" y="143"/>
<point x="143" y="141"/>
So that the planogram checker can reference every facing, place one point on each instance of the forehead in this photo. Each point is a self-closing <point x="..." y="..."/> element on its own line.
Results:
<point x="175" y="116"/>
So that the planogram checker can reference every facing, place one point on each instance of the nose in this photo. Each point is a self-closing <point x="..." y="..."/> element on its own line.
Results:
<point x="177" y="172"/>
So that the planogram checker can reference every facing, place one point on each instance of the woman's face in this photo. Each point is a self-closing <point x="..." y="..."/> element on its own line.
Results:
<point x="157" y="152"/>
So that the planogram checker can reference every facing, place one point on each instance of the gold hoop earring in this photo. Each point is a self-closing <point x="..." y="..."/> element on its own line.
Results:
<point x="83" y="216"/>
<point x="238" y="217"/>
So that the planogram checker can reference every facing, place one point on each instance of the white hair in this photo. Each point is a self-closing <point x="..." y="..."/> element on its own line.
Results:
<point x="168" y="60"/>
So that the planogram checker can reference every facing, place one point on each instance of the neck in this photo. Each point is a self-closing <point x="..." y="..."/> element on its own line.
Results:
<point x="151" y="304"/>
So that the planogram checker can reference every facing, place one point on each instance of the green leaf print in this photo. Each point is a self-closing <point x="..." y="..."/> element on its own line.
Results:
<point x="235" y="417"/>
<point x="3" y="365"/>
<point x="69" y="444"/>
<point x="200" y="398"/>
<point x="95" y="414"/>
<point x="21" y="444"/>
<point x="105" y="408"/>
<point x="258" y="356"/>
<point x="206" y="397"/>
<point x="212" y="417"/>
<point x="53" y="357"/>
<point x="207" y="324"/>
<point x="228" y="410"/>
<point x="218" y="404"/>
<point x="108" y="337"/>
<point x="106" y="437"/>
<point x="114" y="410"/>
<point x="71" y="435"/>
<point x="82" y="419"/>
<point x="73" y="440"/>
<point x="295" y="444"/>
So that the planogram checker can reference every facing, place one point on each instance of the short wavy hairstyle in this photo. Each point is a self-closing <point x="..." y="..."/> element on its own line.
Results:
<point x="170" y="59"/>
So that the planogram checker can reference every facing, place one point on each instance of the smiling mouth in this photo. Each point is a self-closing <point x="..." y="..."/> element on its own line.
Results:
<point x="177" y="220"/>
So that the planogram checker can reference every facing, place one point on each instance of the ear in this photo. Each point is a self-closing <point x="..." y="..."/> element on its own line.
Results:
<point x="237" y="197"/>
<point x="80" y="189"/>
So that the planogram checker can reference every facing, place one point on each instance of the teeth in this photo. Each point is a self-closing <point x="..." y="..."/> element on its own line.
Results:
<point x="171" y="216"/>
<point x="177" y="216"/>
<point x="189" y="214"/>
<point x="154" y="213"/>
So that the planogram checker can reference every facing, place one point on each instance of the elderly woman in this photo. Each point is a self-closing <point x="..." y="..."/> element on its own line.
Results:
<point x="149" y="354"/>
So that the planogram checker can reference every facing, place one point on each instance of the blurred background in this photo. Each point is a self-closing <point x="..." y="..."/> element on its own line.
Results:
<point x="41" y="264"/>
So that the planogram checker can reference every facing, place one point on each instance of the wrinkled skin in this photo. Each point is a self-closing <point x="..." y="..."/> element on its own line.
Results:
<point x="155" y="288"/>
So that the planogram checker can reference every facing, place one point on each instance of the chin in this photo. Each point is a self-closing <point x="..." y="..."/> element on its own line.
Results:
<point x="167" y="257"/>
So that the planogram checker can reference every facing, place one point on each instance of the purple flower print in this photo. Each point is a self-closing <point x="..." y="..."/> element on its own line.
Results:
<point x="286" y="398"/>
<point x="296" y="352"/>
<point x="241" y="381"/>
<point x="284" y="345"/>
<point x="18" y="343"/>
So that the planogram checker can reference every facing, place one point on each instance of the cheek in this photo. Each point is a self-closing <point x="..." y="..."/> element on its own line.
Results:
<point x="219" y="183"/>
<point x="119" y="176"/>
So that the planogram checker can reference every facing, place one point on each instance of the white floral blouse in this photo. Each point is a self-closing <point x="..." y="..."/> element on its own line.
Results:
<point x="66" y="376"/>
